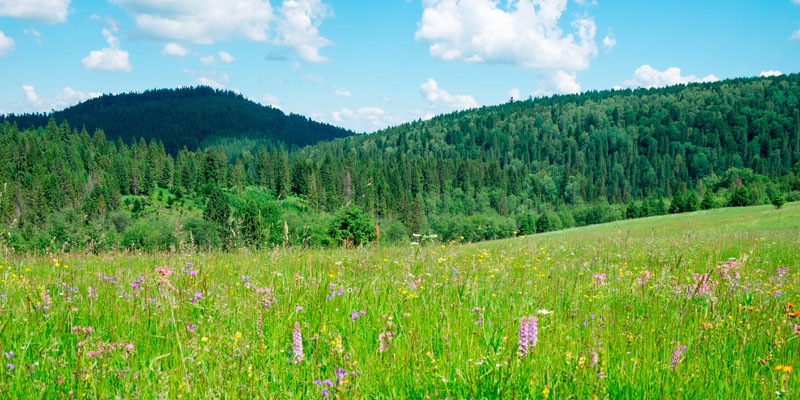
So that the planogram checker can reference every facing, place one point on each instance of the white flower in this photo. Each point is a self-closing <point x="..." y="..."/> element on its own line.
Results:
<point x="543" y="311"/>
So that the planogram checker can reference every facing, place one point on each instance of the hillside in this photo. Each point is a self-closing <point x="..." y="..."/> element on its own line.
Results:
<point x="193" y="117"/>
<point x="518" y="168"/>
<point x="566" y="151"/>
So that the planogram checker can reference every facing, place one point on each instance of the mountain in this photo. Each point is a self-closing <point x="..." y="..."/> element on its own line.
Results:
<point x="193" y="117"/>
<point x="569" y="150"/>
<point x="516" y="168"/>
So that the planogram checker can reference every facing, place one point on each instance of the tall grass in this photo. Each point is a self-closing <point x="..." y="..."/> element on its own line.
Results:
<point x="613" y="303"/>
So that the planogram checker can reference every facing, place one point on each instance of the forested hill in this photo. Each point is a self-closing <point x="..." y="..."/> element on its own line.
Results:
<point x="617" y="146"/>
<point x="193" y="117"/>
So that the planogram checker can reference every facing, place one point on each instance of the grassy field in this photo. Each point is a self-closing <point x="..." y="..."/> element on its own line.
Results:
<point x="623" y="311"/>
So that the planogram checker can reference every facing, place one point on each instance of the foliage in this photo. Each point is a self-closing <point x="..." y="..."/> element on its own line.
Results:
<point x="352" y="227"/>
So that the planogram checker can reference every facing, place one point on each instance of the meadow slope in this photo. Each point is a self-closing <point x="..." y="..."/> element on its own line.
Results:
<point x="694" y="305"/>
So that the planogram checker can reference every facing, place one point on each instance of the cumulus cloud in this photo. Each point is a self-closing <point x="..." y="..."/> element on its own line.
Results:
<point x="67" y="97"/>
<point x="295" y="24"/>
<point x="298" y="28"/>
<point x="50" y="11"/>
<point x="796" y="35"/>
<point x="440" y="98"/>
<point x="110" y="58"/>
<point x="6" y="44"/>
<point x="225" y="58"/>
<point x="765" y="74"/>
<point x="364" y="119"/>
<point x="526" y="33"/>
<point x="174" y="49"/>
<point x="648" y="77"/>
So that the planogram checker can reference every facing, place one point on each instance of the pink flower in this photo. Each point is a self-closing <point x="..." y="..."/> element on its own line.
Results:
<point x="297" y="344"/>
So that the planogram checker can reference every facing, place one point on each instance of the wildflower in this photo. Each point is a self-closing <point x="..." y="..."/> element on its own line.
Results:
<point x="676" y="354"/>
<point x="258" y="325"/>
<point x="544" y="312"/>
<point x="9" y="355"/>
<point x="383" y="341"/>
<point x="91" y="293"/>
<point x="324" y="392"/>
<point x="190" y="272"/>
<point x="204" y="339"/>
<point x="9" y="366"/>
<point x="785" y="368"/>
<point x="191" y="327"/>
<point x="796" y="330"/>
<point x="355" y="314"/>
<point x="135" y="285"/>
<point x="298" y="308"/>
<point x="522" y="340"/>
<point x="164" y="272"/>
<point x="599" y="279"/>
<point x="297" y="344"/>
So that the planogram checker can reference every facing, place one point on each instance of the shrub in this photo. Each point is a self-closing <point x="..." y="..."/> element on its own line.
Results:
<point x="351" y="226"/>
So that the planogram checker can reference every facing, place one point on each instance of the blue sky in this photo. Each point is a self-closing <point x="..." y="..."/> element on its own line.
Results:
<point x="366" y="65"/>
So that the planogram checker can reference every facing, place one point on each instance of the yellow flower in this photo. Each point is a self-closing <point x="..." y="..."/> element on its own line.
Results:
<point x="204" y="339"/>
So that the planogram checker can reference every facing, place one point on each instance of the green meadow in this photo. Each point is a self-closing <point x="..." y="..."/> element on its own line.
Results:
<point x="695" y="305"/>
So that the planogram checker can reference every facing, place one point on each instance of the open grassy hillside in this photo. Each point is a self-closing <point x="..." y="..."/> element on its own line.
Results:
<point x="694" y="305"/>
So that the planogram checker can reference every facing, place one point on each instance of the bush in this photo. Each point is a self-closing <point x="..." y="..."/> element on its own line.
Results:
<point x="204" y="234"/>
<point x="548" y="222"/>
<point x="740" y="198"/>
<point x="258" y="214"/>
<point x="150" y="234"/>
<point x="778" y="201"/>
<point x="394" y="232"/>
<point x="351" y="227"/>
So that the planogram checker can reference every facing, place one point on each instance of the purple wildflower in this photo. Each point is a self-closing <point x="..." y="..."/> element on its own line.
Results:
<point x="191" y="327"/>
<point x="190" y="272"/>
<point x="135" y="285"/>
<point x="9" y="366"/>
<point x="297" y="344"/>
<point x="522" y="341"/>
<point x="9" y="355"/>
<point x="298" y="308"/>
<point x="258" y="325"/>
<point x="383" y="341"/>
<point x="676" y="354"/>
<point x="324" y="392"/>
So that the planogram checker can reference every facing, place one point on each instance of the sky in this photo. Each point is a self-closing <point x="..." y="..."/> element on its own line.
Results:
<point x="365" y="65"/>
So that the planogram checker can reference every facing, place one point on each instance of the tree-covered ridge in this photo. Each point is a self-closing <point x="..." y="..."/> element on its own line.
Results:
<point x="194" y="117"/>
<point x="617" y="145"/>
<point x="518" y="168"/>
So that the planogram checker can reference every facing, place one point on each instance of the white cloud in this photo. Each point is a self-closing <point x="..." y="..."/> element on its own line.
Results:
<point x="6" y="44"/>
<point x="206" y="81"/>
<point x="110" y="58"/>
<point x="298" y="28"/>
<point x="201" y="21"/>
<point x="30" y="93"/>
<point x="295" y="25"/>
<point x="50" y="11"/>
<point x="513" y="94"/>
<point x="174" y="49"/>
<point x="271" y="100"/>
<point x="796" y="2"/>
<point x="440" y="98"/>
<point x="558" y="82"/>
<point x="208" y="78"/>
<point x="796" y="35"/>
<point x="525" y="33"/>
<point x="67" y="97"/>
<point x="609" y="42"/>
<point x="365" y="119"/>
<point x="648" y="77"/>
<point x="769" y="73"/>
<point x="225" y="58"/>
<point x="207" y="60"/>
<point x="341" y="92"/>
